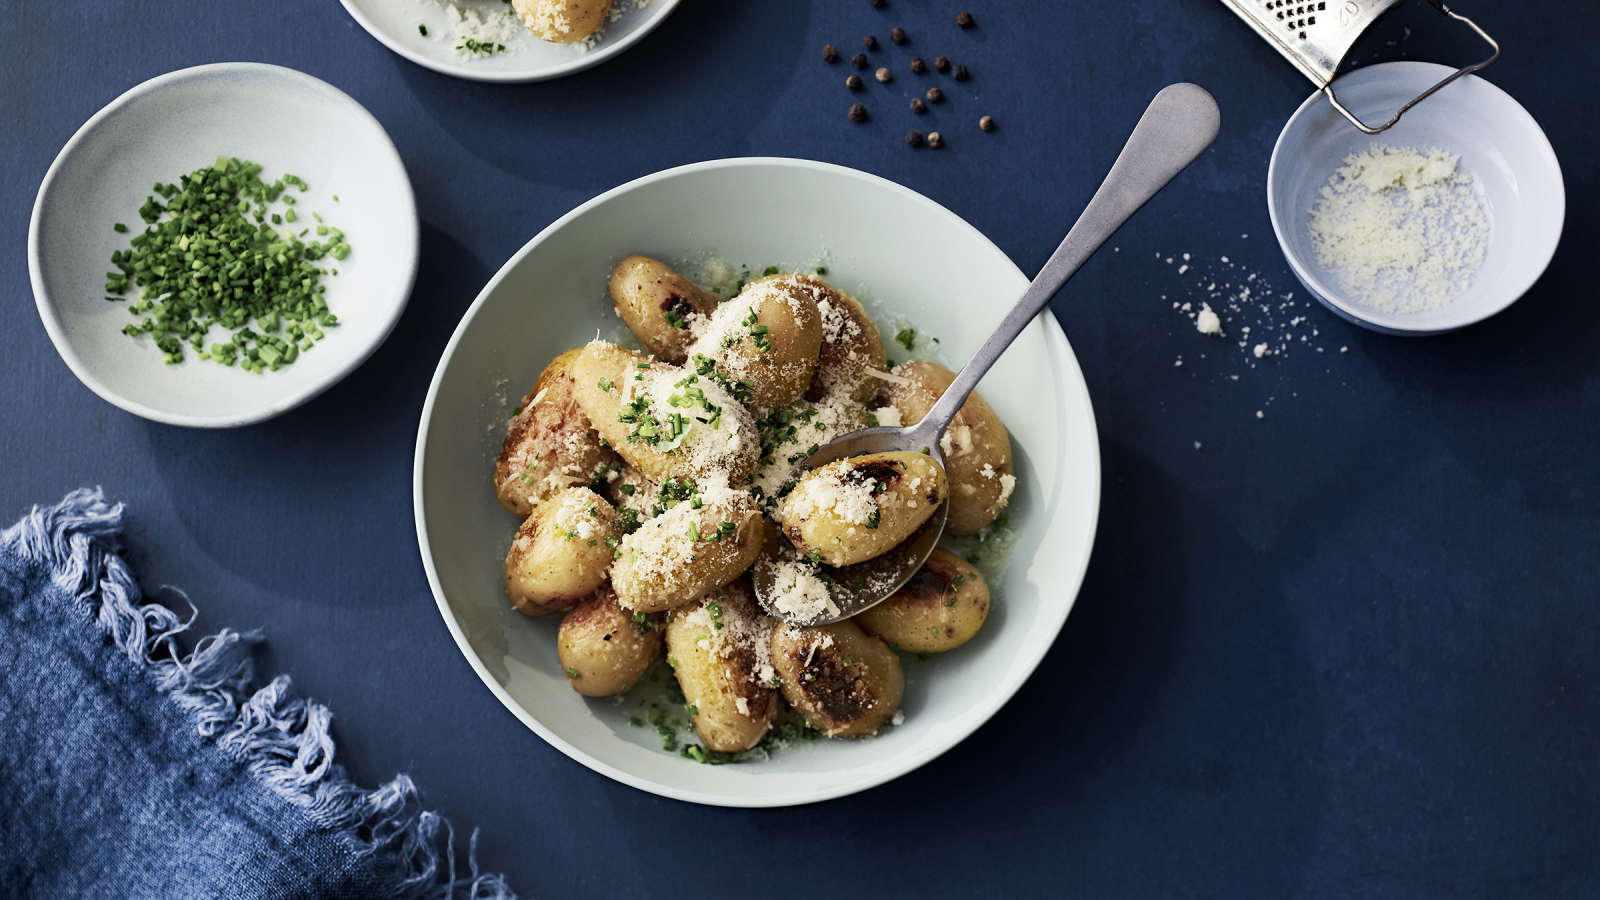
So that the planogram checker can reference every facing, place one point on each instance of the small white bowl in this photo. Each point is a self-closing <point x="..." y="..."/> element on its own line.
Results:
<point x="172" y="125"/>
<point x="526" y="58"/>
<point x="1499" y="143"/>
<point x="899" y="252"/>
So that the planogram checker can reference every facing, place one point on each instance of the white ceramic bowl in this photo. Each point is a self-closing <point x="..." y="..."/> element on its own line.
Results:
<point x="900" y="252"/>
<point x="1498" y="141"/>
<point x="394" y="23"/>
<point x="172" y="125"/>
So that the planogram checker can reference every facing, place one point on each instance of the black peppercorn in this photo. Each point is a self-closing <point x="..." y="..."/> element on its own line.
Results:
<point x="964" y="19"/>
<point x="986" y="123"/>
<point x="830" y="53"/>
<point x="869" y="42"/>
<point x="962" y="74"/>
<point x="853" y="82"/>
<point x="859" y="61"/>
<point x="935" y="95"/>
<point x="897" y="34"/>
<point x="935" y="140"/>
<point x="941" y="63"/>
<point x="917" y="106"/>
<point x="914" y="138"/>
<point x="879" y="4"/>
<point x="918" y="66"/>
<point x="858" y="113"/>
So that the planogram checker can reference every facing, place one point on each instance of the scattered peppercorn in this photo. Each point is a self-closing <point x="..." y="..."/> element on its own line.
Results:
<point x="935" y="140"/>
<point x="883" y="75"/>
<point x="869" y="42"/>
<point x="918" y="66"/>
<point x="853" y="82"/>
<point x="941" y="63"/>
<point x="830" y="53"/>
<point x="858" y="113"/>
<point x="964" y="19"/>
<point x="897" y="34"/>
<point x="917" y="106"/>
<point x="859" y="61"/>
<point x="879" y="4"/>
<point x="935" y="95"/>
<point x="914" y="138"/>
<point x="962" y="74"/>
<point x="986" y="123"/>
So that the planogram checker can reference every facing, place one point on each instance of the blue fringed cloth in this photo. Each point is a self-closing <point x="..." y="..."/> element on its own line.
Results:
<point x="131" y="769"/>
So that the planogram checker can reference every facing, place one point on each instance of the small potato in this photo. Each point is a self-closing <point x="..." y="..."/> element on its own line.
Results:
<point x="604" y="648"/>
<point x="850" y="342"/>
<point x="658" y="305"/>
<point x="939" y="609"/>
<point x="851" y="510"/>
<point x="549" y="444"/>
<point x="718" y="650"/>
<point x="562" y="21"/>
<point x="687" y="551"/>
<point x="845" y="682"/>
<point x="633" y="402"/>
<point x="768" y="338"/>
<point x="562" y="551"/>
<point x="976" y="448"/>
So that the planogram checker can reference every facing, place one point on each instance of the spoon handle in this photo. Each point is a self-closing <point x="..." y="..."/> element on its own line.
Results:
<point x="1178" y="125"/>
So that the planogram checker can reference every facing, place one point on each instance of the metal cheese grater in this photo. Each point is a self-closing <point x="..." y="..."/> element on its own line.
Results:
<point x="1316" y="35"/>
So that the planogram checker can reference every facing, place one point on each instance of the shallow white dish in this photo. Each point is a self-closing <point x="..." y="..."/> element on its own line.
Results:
<point x="1499" y="142"/>
<point x="896" y="250"/>
<point x="172" y="125"/>
<point x="527" y="58"/>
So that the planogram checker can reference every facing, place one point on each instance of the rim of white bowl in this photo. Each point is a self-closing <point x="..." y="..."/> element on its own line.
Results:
<point x="47" y="306"/>
<point x="604" y="51"/>
<point x="1376" y="319"/>
<point x="1055" y="337"/>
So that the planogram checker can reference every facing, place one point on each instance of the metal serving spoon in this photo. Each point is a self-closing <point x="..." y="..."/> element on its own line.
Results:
<point x="1179" y="124"/>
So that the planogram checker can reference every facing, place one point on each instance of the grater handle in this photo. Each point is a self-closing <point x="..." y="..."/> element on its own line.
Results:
<point x="1465" y="70"/>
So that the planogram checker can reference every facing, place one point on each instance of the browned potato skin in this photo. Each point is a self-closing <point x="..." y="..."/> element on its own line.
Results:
<point x="644" y="291"/>
<point x="842" y="362"/>
<point x="779" y="375"/>
<point x="549" y="445"/>
<point x="547" y="572"/>
<point x="839" y="700"/>
<point x="974" y="499"/>
<point x="939" y="609"/>
<point x="601" y="360"/>
<point x="603" y="651"/>
<point x="839" y="543"/>
<point x="717" y="675"/>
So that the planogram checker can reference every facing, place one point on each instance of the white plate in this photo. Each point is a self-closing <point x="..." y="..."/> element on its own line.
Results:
<point x="527" y="58"/>
<point x="900" y="252"/>
<point x="1499" y="143"/>
<point x="170" y="126"/>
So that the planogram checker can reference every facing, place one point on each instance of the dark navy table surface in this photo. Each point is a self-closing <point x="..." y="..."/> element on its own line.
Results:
<point x="1347" y="648"/>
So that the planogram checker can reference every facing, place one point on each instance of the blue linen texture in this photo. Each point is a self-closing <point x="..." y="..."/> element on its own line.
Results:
<point x="131" y="769"/>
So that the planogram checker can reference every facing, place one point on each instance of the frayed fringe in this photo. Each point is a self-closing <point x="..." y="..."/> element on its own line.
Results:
<point x="281" y="739"/>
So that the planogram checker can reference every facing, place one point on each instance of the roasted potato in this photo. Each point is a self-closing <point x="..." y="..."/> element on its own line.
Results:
<point x="562" y="21"/>
<point x="718" y="650"/>
<point x="562" y="551"/>
<point x="688" y="550"/>
<point x="850" y="342"/>
<point x="632" y="403"/>
<point x="976" y="447"/>
<point x="604" y="648"/>
<point x="767" y="339"/>
<point x="658" y="305"/>
<point x="851" y="510"/>
<point x="550" y="444"/>
<point x="845" y="682"/>
<point x="939" y="609"/>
